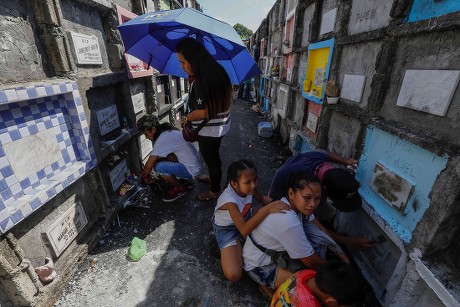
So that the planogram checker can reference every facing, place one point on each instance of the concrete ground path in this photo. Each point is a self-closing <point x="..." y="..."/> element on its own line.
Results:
<point x="182" y="264"/>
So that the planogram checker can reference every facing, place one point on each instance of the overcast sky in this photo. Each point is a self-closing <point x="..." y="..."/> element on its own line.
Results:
<point x="249" y="13"/>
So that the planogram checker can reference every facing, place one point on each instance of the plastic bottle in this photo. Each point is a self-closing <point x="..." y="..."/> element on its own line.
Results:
<point x="125" y="122"/>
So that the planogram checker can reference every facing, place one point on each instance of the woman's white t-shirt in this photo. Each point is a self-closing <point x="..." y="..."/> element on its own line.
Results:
<point x="173" y="142"/>
<point x="279" y="232"/>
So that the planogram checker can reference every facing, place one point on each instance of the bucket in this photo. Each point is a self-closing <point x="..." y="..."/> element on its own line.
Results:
<point x="265" y="129"/>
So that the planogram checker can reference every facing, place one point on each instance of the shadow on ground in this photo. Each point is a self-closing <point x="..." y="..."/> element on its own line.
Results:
<point x="182" y="264"/>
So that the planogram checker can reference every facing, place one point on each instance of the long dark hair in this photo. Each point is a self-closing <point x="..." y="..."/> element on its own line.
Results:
<point x="210" y="75"/>
<point x="300" y="180"/>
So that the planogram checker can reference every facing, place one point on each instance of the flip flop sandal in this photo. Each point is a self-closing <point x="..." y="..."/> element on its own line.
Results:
<point x="265" y="293"/>
<point x="207" y="196"/>
<point x="204" y="178"/>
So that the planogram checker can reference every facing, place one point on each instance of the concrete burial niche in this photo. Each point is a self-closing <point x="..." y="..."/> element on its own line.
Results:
<point x="44" y="146"/>
<point x="384" y="265"/>
<point x="342" y="134"/>
<point x="312" y="119"/>
<point x="318" y="66"/>
<point x="396" y="179"/>
<point x="136" y="68"/>
<point x="357" y="69"/>
<point x="282" y="100"/>
<point x="368" y="15"/>
<point x="429" y="91"/>
<point x="307" y="18"/>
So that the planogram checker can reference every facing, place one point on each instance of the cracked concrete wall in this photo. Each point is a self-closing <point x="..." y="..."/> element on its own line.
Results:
<point x="20" y="58"/>
<point x="343" y="134"/>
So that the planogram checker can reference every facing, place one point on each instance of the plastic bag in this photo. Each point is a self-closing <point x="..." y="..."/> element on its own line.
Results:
<point x="137" y="249"/>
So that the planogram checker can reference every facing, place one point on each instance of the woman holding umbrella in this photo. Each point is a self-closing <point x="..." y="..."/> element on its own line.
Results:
<point x="209" y="99"/>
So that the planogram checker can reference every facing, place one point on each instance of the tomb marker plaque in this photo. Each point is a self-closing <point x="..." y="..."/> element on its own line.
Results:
<point x="138" y="102"/>
<point x="108" y="119"/>
<point x="86" y="48"/>
<point x="394" y="189"/>
<point x="146" y="147"/>
<point x="118" y="175"/>
<point x="312" y="122"/>
<point x="353" y="86"/>
<point x="66" y="228"/>
<point x="328" y="21"/>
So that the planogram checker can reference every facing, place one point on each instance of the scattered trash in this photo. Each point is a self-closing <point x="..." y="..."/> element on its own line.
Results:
<point x="256" y="108"/>
<point x="137" y="249"/>
<point x="141" y="197"/>
<point x="118" y="220"/>
<point x="46" y="272"/>
<point x="93" y="262"/>
<point x="125" y="188"/>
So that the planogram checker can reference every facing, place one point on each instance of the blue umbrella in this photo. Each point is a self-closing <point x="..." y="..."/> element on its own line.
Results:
<point x="153" y="38"/>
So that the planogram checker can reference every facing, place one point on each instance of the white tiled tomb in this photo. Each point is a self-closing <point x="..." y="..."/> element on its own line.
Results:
<point x="44" y="146"/>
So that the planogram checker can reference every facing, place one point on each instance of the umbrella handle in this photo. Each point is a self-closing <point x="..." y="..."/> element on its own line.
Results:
<point x="150" y="60"/>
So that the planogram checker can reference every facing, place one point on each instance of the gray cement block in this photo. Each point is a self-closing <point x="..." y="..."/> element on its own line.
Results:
<point x="86" y="21"/>
<point x="307" y="19"/>
<point x="282" y="100"/>
<point x="299" y="107"/>
<point x="57" y="53"/>
<point x="342" y="135"/>
<point x="32" y="231"/>
<point x="100" y="4"/>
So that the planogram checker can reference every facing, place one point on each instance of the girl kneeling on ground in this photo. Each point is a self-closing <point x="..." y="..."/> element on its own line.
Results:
<point x="233" y="218"/>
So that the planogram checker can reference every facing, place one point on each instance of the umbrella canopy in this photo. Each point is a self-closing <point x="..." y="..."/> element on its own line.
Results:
<point x="153" y="38"/>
